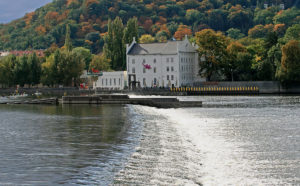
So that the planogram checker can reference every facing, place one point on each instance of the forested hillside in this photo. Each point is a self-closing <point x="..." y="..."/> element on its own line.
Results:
<point x="162" y="19"/>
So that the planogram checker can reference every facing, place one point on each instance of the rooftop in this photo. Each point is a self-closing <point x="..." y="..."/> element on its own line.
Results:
<point x="170" y="47"/>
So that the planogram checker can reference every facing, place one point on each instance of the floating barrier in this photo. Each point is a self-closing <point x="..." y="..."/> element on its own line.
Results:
<point x="217" y="90"/>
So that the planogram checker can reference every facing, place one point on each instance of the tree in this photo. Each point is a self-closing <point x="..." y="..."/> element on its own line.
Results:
<point x="286" y="17"/>
<point x="114" y="48"/>
<point x="292" y="33"/>
<point x="84" y="55"/>
<point x="264" y="16"/>
<point x="192" y="15"/>
<point x="131" y="31"/>
<point x="235" y="53"/>
<point x="235" y="33"/>
<point x="35" y="69"/>
<point x="182" y="31"/>
<point x="289" y="70"/>
<point x="68" y="43"/>
<point x="7" y="65"/>
<point x="172" y="27"/>
<point x="240" y="18"/>
<point x="147" y="38"/>
<point x="212" y="47"/>
<point x="161" y="36"/>
<point x="100" y="62"/>
<point x="22" y="71"/>
<point x="62" y="67"/>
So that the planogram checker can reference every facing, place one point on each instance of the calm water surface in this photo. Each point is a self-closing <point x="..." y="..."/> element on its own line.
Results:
<point x="230" y="141"/>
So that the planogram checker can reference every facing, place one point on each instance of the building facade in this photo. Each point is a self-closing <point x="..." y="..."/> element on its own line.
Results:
<point x="170" y="64"/>
<point x="111" y="81"/>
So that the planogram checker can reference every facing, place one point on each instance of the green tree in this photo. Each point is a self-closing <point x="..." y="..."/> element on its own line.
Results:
<point x="212" y="47"/>
<point x="287" y="17"/>
<point x="131" y="31"/>
<point x="68" y="43"/>
<point x="235" y="33"/>
<point x="114" y="48"/>
<point x="292" y="33"/>
<point x="161" y="36"/>
<point x="22" y="71"/>
<point x="35" y="69"/>
<point x="84" y="55"/>
<point x="7" y="65"/>
<point x="100" y="62"/>
<point x="264" y="16"/>
<point x="235" y="56"/>
<point x="289" y="70"/>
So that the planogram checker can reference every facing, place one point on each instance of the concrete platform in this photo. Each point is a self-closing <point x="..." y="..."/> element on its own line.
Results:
<point x="125" y="99"/>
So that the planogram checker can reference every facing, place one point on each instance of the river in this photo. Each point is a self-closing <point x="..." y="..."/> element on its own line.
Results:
<point x="241" y="140"/>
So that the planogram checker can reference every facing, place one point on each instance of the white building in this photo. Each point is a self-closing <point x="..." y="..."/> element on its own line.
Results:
<point x="112" y="81"/>
<point x="170" y="64"/>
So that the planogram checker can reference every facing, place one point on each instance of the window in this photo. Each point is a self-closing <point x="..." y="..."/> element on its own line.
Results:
<point x="168" y="77"/>
<point x="181" y="68"/>
<point x="168" y="69"/>
<point x="172" y="77"/>
<point x="181" y="60"/>
<point x="144" y="82"/>
<point x="115" y="82"/>
<point x="144" y="70"/>
<point x="110" y="82"/>
<point x="155" y="81"/>
<point x="119" y="81"/>
<point x="144" y="60"/>
<point x="154" y="60"/>
<point x="167" y="59"/>
<point x="154" y="69"/>
<point x="133" y="61"/>
<point x="102" y="81"/>
<point x="106" y="81"/>
<point x="172" y="69"/>
<point x="172" y="59"/>
<point x="133" y="70"/>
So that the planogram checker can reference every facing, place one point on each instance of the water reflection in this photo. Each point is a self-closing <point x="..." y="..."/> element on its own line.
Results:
<point x="50" y="145"/>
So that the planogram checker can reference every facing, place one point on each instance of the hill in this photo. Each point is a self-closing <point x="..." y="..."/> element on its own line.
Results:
<point x="88" y="20"/>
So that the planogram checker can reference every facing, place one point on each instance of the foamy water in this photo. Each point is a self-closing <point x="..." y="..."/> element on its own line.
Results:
<point x="237" y="145"/>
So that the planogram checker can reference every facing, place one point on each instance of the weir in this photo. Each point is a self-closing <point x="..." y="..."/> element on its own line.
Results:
<point x="125" y="99"/>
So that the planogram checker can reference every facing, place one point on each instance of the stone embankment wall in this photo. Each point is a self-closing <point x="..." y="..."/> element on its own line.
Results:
<point x="265" y="87"/>
<point x="46" y="91"/>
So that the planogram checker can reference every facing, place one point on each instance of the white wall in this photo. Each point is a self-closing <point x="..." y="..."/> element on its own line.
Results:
<point x="112" y="80"/>
<point x="166" y="74"/>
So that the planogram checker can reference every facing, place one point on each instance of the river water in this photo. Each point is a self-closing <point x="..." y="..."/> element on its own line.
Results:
<point x="239" y="140"/>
